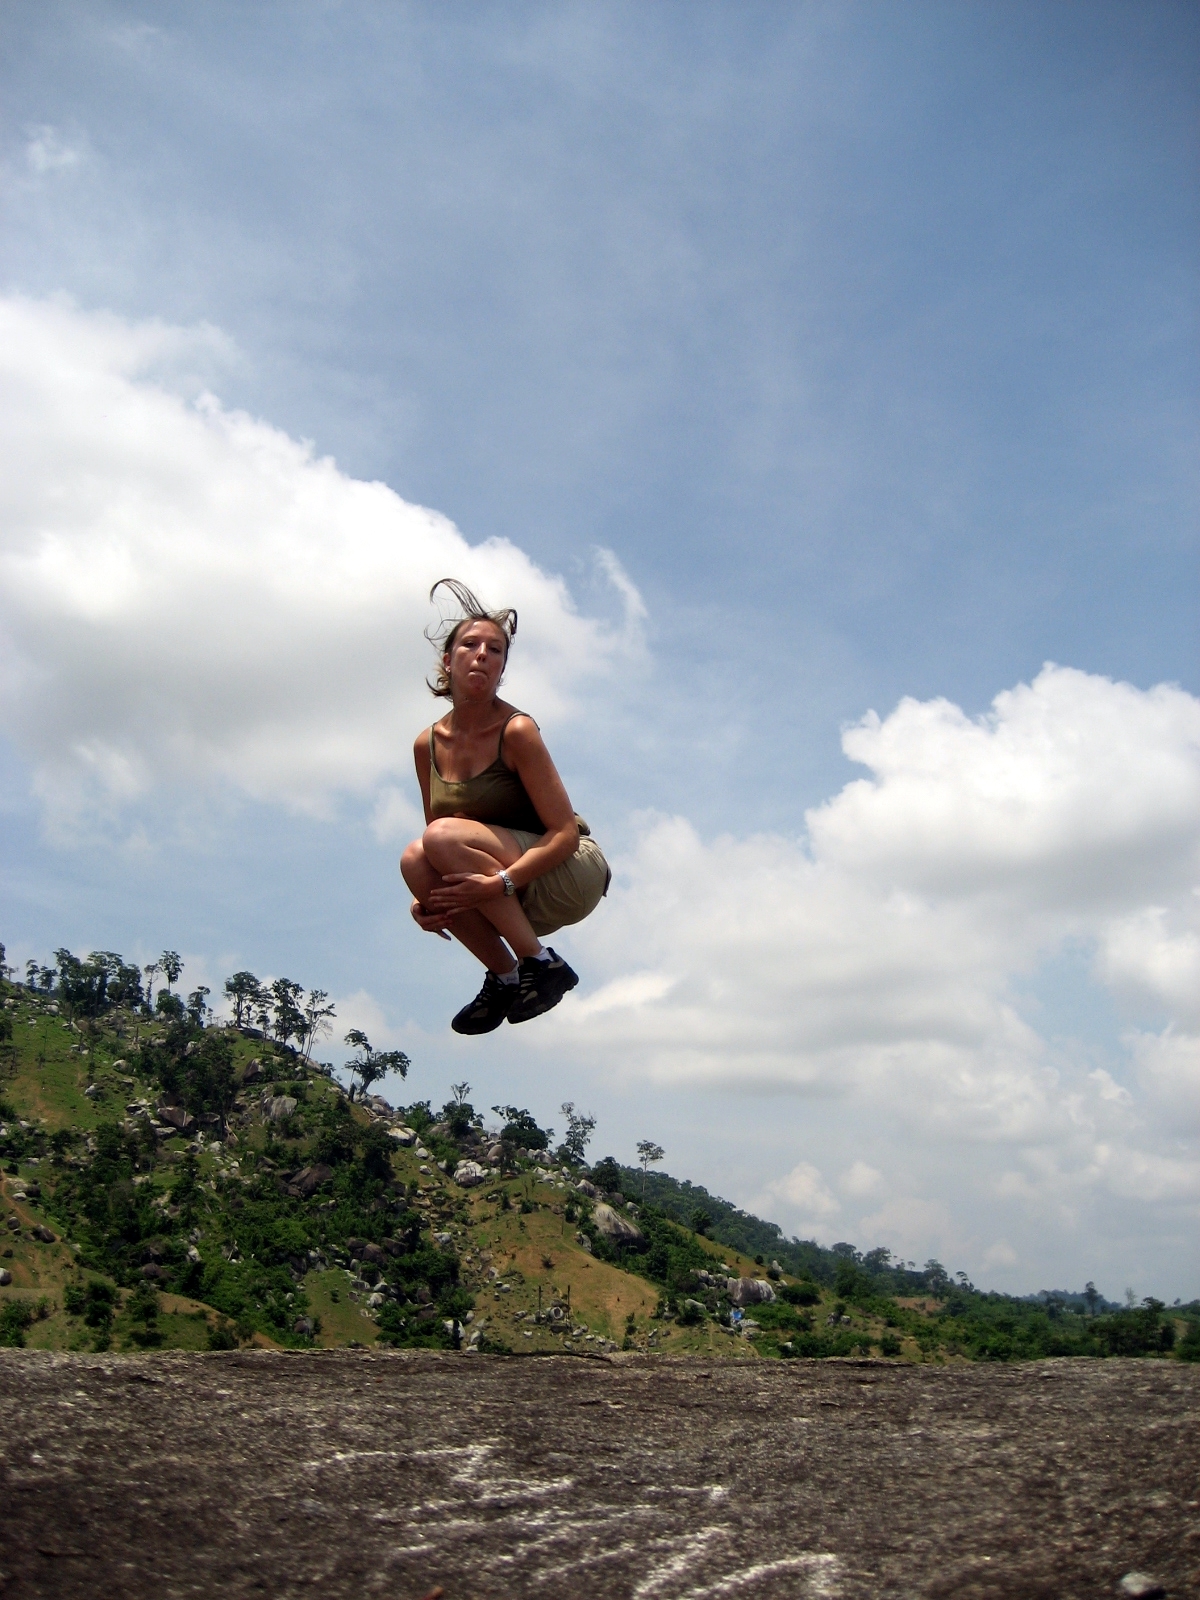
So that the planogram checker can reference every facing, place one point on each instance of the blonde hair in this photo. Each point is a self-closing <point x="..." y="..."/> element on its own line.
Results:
<point x="471" y="609"/>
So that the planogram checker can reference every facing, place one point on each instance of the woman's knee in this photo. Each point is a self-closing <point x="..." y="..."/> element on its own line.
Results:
<point x="413" y="865"/>
<point x="442" y="839"/>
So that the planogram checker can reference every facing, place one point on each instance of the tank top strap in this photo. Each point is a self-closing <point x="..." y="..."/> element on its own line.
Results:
<point x="504" y="730"/>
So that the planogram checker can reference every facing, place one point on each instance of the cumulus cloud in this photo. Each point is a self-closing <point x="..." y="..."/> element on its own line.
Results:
<point x="878" y="958"/>
<point x="188" y="595"/>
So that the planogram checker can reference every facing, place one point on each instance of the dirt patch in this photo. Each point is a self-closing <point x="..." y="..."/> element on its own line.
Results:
<point x="361" y="1473"/>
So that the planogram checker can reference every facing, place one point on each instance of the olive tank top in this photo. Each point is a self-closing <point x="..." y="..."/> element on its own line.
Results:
<point x="495" y="795"/>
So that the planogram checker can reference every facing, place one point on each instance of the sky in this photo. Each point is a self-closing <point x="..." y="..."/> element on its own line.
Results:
<point x="819" y="382"/>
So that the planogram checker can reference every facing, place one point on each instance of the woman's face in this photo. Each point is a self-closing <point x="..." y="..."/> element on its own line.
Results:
<point x="476" y="660"/>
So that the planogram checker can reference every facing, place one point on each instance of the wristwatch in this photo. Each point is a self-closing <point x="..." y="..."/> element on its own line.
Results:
<point x="509" y="886"/>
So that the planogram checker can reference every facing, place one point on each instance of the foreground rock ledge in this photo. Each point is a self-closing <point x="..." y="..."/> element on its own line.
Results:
<point x="355" y="1474"/>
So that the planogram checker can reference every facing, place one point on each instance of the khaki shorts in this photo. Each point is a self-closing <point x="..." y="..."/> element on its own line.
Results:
<point x="568" y="892"/>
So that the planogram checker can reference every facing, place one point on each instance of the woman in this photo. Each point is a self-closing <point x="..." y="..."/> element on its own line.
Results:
<point x="503" y="857"/>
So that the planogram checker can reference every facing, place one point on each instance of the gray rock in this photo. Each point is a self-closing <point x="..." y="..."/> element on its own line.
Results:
<point x="193" y="1254"/>
<point x="375" y="1300"/>
<point x="5" y="1277"/>
<point x="469" y="1173"/>
<point x="1139" y="1586"/>
<point x="374" y="1253"/>
<point x="277" y="1107"/>
<point x="308" y="1180"/>
<point x="303" y="1326"/>
<point x="176" y="1117"/>
<point x="153" y="1272"/>
<point x="402" y="1136"/>
<point x="43" y="1234"/>
<point x="621" y="1230"/>
<point x="587" y="1187"/>
<point x="752" y="1292"/>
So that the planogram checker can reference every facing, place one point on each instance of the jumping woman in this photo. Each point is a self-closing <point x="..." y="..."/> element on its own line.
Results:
<point x="504" y="859"/>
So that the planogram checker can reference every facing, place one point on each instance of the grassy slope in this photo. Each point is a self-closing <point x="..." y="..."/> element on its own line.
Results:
<point x="507" y="1256"/>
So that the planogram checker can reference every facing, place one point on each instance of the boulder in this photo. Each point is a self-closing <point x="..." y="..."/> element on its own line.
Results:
<point x="153" y="1272"/>
<point x="469" y="1173"/>
<point x="1140" y="1586"/>
<point x="752" y="1292"/>
<point x="303" y="1327"/>
<point x="176" y="1117"/>
<point x="254" y="1070"/>
<point x="619" y="1229"/>
<point x="402" y="1136"/>
<point x="5" y="1277"/>
<point x="277" y="1107"/>
<point x="375" y="1254"/>
<point x="308" y="1180"/>
<point x="43" y="1234"/>
<point x="585" y="1186"/>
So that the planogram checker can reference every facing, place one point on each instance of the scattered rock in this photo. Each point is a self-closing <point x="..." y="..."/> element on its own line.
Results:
<point x="374" y="1253"/>
<point x="469" y="1173"/>
<point x="587" y="1187"/>
<point x="14" y="1223"/>
<point x="752" y="1292"/>
<point x="254" y="1069"/>
<point x="616" y="1227"/>
<point x="1139" y="1586"/>
<point x="176" y="1117"/>
<point x="305" y="1183"/>
<point x="193" y="1254"/>
<point x="92" y="1090"/>
<point x="5" y="1277"/>
<point x="43" y="1234"/>
<point x="303" y="1326"/>
<point x="154" y="1272"/>
<point x="403" y="1136"/>
<point x="277" y="1107"/>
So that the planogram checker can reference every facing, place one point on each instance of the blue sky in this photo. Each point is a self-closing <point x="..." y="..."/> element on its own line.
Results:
<point x="863" y="337"/>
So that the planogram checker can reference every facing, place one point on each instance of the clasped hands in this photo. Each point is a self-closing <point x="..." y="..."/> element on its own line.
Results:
<point x="458" y="891"/>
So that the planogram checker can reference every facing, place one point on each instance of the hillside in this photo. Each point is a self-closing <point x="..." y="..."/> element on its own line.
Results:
<point x="173" y="1183"/>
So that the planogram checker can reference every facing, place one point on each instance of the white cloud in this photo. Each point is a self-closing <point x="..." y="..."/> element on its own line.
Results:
<point x="860" y="1180"/>
<point x="806" y="1190"/>
<point x="872" y="963"/>
<point x="188" y="595"/>
<point x="46" y="151"/>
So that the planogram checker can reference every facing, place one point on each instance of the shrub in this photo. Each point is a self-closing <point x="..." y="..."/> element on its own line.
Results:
<point x="799" y="1294"/>
<point x="15" y="1317"/>
<point x="889" y="1345"/>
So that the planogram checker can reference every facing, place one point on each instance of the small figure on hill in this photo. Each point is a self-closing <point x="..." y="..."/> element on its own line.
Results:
<point x="504" y="859"/>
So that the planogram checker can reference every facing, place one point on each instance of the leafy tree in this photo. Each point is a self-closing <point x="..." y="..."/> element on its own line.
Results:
<point x="197" y="1004"/>
<point x="152" y="969"/>
<point x="243" y="989"/>
<point x="648" y="1152"/>
<point x="124" y="986"/>
<point x="287" y="1017"/>
<point x="369" y="1065"/>
<point x="606" y="1175"/>
<point x="701" y="1222"/>
<point x="520" y="1131"/>
<point x="1092" y="1295"/>
<point x="170" y="965"/>
<point x="316" y="1020"/>
<point x="579" y="1133"/>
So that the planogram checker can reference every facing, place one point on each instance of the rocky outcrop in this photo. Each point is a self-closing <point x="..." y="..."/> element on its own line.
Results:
<point x="751" y="1292"/>
<point x="616" y="1228"/>
<point x="469" y="1173"/>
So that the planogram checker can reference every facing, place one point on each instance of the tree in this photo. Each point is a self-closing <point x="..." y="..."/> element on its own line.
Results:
<point x="287" y="1017"/>
<point x="370" y="1065"/>
<point x="243" y="989"/>
<point x="1092" y="1295"/>
<point x="648" y="1151"/>
<point x="197" y="1003"/>
<point x="152" y="970"/>
<point x="579" y="1132"/>
<point x="171" y="966"/>
<point x="701" y="1222"/>
<point x="520" y="1131"/>
<point x="316" y="1019"/>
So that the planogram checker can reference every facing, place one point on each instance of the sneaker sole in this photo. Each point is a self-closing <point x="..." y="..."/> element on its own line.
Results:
<point x="548" y="1005"/>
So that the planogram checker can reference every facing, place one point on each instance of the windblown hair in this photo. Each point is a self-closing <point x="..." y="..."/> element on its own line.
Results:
<point x="470" y="609"/>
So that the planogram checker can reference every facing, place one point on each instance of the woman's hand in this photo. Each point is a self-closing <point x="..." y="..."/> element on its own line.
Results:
<point x="463" y="891"/>
<point x="432" y="922"/>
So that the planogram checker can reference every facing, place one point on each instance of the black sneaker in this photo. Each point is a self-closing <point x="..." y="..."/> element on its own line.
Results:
<point x="489" y="1007"/>
<point x="542" y="986"/>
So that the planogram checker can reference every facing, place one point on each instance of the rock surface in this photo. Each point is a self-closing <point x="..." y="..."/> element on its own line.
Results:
<point x="621" y="1230"/>
<point x="388" y="1474"/>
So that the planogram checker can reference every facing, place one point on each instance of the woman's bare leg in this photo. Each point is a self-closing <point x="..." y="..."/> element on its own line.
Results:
<point x="458" y="845"/>
<point x="455" y="844"/>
